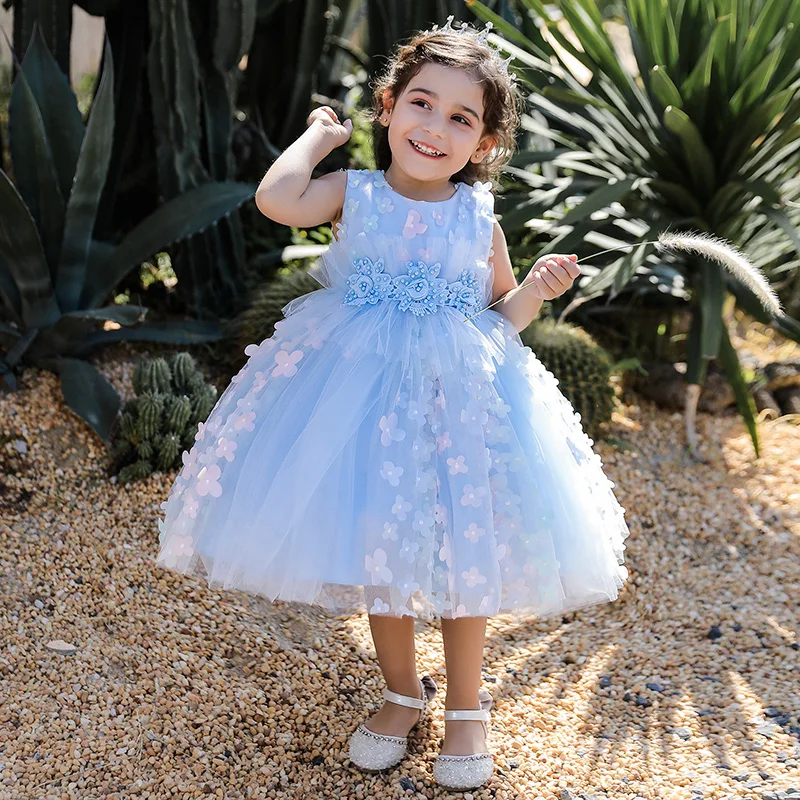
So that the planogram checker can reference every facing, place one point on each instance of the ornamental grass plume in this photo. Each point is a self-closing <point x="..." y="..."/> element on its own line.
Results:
<point x="723" y="252"/>
<point x="711" y="247"/>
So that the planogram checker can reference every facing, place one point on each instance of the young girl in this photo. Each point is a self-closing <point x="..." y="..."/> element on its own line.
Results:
<point x="382" y="451"/>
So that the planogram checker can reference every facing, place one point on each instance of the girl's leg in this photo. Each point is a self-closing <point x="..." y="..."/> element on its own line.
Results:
<point x="463" y="652"/>
<point x="394" y="644"/>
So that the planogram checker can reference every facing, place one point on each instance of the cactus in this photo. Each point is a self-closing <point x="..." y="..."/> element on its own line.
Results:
<point x="202" y="402"/>
<point x="146" y="451"/>
<point x="161" y="422"/>
<point x="151" y="407"/>
<point x="151" y="375"/>
<point x="581" y="366"/>
<point x="136" y="471"/>
<point x="170" y="451"/>
<point x="128" y="427"/>
<point x="178" y="412"/>
<point x="183" y="371"/>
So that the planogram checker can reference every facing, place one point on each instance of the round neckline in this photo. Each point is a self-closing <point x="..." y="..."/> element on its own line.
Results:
<point x="459" y="184"/>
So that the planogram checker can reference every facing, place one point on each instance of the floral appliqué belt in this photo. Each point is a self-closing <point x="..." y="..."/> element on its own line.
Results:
<point x="419" y="291"/>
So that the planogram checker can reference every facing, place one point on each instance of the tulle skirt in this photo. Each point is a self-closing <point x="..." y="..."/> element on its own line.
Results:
<point x="368" y="459"/>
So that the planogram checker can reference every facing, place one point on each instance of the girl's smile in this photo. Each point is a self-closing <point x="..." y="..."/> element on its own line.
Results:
<point x="426" y="150"/>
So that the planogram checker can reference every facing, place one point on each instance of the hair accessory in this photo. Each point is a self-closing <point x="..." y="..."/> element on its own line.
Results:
<point x="481" y="37"/>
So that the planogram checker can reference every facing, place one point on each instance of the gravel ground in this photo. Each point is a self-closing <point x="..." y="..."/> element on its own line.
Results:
<point x="685" y="687"/>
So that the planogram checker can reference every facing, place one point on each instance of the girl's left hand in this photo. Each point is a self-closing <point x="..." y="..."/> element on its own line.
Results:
<point x="552" y="275"/>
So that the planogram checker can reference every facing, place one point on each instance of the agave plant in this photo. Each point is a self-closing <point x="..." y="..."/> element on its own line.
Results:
<point x="705" y="138"/>
<point x="55" y="279"/>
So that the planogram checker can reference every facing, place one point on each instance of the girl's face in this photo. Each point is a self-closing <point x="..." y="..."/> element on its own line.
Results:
<point x="441" y="109"/>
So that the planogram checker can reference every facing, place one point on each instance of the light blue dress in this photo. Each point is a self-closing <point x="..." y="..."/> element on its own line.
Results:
<point x="382" y="453"/>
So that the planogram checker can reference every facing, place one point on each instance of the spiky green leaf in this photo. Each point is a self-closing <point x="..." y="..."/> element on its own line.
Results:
<point x="90" y="177"/>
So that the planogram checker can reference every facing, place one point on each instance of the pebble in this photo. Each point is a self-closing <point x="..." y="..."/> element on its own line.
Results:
<point x="60" y="646"/>
<point x="178" y="690"/>
<point x="767" y="729"/>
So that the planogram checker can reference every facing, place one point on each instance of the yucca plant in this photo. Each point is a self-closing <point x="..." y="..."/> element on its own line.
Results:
<point x="705" y="138"/>
<point x="54" y="276"/>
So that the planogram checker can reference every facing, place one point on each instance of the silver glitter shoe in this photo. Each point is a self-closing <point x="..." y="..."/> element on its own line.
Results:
<point x="376" y="751"/>
<point x="472" y="771"/>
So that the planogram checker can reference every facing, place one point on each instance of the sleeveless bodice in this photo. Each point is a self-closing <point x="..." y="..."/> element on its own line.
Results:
<point x="421" y="255"/>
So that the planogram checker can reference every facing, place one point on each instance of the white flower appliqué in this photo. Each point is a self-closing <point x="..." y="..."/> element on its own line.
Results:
<point x="473" y="577"/>
<point x="177" y="548"/>
<point x="245" y="421"/>
<point x="473" y="495"/>
<point x="379" y="607"/>
<point x="444" y="441"/>
<point x="384" y="204"/>
<point x="189" y="458"/>
<point x="390" y="531"/>
<point x="389" y="430"/>
<point x="423" y="523"/>
<point x="391" y="473"/>
<point x="457" y="465"/>
<point x="407" y="586"/>
<point x="408" y="550"/>
<point x="190" y="506"/>
<point x="226" y="449"/>
<point x="473" y="416"/>
<point x="473" y="533"/>
<point x="401" y="507"/>
<point x="207" y="481"/>
<point x="375" y="564"/>
<point x="287" y="363"/>
<point x="413" y="225"/>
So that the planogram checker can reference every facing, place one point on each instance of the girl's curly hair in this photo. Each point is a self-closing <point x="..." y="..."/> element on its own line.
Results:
<point x="501" y="97"/>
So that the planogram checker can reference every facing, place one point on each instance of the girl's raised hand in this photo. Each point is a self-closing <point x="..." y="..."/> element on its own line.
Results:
<point x="328" y="122"/>
<point x="552" y="275"/>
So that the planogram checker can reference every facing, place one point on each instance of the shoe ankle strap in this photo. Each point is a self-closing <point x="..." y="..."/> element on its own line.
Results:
<point x="404" y="700"/>
<point x="467" y="714"/>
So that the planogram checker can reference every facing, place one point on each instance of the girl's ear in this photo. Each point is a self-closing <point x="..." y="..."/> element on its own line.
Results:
<point x="388" y="103"/>
<point x="485" y="145"/>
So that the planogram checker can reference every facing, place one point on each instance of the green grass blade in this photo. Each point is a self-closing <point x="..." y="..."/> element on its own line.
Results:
<point x="744" y="402"/>
<point x="712" y="297"/>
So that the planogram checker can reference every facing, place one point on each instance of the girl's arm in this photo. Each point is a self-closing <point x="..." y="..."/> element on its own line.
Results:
<point x="523" y="306"/>
<point x="551" y="276"/>
<point x="287" y="194"/>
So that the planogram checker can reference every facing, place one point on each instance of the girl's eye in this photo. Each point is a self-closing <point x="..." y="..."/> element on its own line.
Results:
<point x="414" y="102"/>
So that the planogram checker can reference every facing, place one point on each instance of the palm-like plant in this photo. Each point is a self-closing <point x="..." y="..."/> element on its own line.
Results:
<point x="705" y="138"/>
